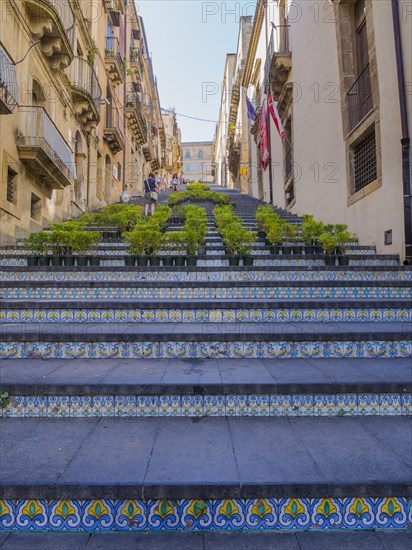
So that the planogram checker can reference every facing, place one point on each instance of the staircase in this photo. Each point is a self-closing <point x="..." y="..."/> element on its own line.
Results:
<point x="276" y="397"/>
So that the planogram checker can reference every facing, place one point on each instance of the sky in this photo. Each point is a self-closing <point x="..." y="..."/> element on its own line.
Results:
<point x="189" y="40"/>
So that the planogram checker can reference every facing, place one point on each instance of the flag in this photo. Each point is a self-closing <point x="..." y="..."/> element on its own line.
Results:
<point x="251" y="113"/>
<point x="273" y="110"/>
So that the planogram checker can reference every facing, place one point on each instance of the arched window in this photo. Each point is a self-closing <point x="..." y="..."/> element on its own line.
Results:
<point x="187" y="155"/>
<point x="200" y="154"/>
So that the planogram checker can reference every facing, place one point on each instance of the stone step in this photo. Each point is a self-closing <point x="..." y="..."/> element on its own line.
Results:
<point x="254" y="537"/>
<point x="210" y="290"/>
<point x="178" y="275"/>
<point x="232" y="387"/>
<point x="225" y="473"/>
<point x="188" y="311"/>
<point x="204" y="340"/>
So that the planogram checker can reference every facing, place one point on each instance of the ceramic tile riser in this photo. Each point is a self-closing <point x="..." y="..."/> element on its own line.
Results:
<point x="270" y="398"/>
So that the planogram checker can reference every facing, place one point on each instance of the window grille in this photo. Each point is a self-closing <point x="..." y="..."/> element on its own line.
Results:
<point x="364" y="162"/>
<point x="11" y="186"/>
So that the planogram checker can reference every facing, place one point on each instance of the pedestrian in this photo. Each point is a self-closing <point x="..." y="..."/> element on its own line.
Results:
<point x="175" y="183"/>
<point x="151" y="197"/>
<point x="158" y="180"/>
<point x="165" y="183"/>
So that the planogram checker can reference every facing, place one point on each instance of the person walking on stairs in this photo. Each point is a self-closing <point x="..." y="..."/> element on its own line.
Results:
<point x="151" y="189"/>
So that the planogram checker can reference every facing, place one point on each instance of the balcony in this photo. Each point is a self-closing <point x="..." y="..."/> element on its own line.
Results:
<point x="278" y="61"/>
<point x="147" y="149"/>
<point x="43" y="149"/>
<point x="52" y="22"/>
<point x="113" y="130"/>
<point x="114" y="62"/>
<point x="156" y="160"/>
<point x="359" y="99"/>
<point x="86" y="92"/>
<point x="135" y="118"/>
<point x="117" y="6"/>
<point x="136" y="64"/>
<point x="9" y="90"/>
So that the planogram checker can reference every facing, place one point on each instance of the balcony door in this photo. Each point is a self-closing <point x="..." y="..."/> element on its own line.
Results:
<point x="362" y="58"/>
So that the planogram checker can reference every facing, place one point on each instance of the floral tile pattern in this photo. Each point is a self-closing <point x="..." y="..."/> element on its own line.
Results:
<point x="106" y="515"/>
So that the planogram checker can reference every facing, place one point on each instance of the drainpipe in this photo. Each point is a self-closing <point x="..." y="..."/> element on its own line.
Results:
<point x="89" y="137"/>
<point x="405" y="141"/>
<point x="125" y="99"/>
<point x="268" y="114"/>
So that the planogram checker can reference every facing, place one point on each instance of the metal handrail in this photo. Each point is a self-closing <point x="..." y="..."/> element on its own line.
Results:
<point x="359" y="98"/>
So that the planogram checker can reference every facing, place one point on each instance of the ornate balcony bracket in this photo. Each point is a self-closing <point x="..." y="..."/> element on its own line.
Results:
<point x="113" y="60"/>
<point x="279" y="72"/>
<point x="52" y="22"/>
<point x="86" y="92"/>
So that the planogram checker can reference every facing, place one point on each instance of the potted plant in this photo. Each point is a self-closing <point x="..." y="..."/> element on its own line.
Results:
<point x="62" y="245"/>
<point x="330" y="243"/>
<point x="231" y="239"/>
<point x="344" y="238"/>
<point x="82" y="241"/>
<point x="311" y="231"/>
<point x="137" y="241"/>
<point x="245" y="246"/>
<point x="275" y="235"/>
<point x="154" y="242"/>
<point x="289" y="236"/>
<point x="191" y="239"/>
<point x="39" y="245"/>
<point x="177" y="215"/>
<point x="176" y="241"/>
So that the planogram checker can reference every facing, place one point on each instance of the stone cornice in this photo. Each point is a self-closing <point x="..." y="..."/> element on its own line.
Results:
<point x="254" y="39"/>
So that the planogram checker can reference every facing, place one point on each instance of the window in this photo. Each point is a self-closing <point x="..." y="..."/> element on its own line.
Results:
<point x="200" y="154"/>
<point x="35" y="207"/>
<point x="11" y="186"/>
<point x="187" y="155"/>
<point x="364" y="161"/>
<point x="362" y="52"/>
<point x="119" y="171"/>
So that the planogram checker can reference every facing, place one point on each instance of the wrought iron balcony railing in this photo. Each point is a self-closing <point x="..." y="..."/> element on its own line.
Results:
<point x="9" y="90"/>
<point x="114" y="60"/>
<point x="359" y="98"/>
<point x="113" y="130"/>
<point x="84" y="80"/>
<point x="44" y="149"/>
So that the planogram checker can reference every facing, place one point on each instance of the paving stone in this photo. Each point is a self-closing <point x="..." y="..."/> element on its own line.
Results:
<point x="46" y="541"/>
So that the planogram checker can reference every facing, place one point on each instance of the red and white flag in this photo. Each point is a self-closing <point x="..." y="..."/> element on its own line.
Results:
<point x="273" y="110"/>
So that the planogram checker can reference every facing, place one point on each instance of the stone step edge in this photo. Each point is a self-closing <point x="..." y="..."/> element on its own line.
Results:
<point x="211" y="269"/>
<point x="115" y="405"/>
<point x="193" y="303"/>
<point x="56" y="491"/>
<point x="210" y="284"/>
<point x="73" y="334"/>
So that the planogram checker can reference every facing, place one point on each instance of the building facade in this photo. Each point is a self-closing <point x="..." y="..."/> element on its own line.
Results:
<point x="173" y="153"/>
<point x="334" y="70"/>
<point x="220" y="157"/>
<point x="79" y="111"/>
<point x="197" y="160"/>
